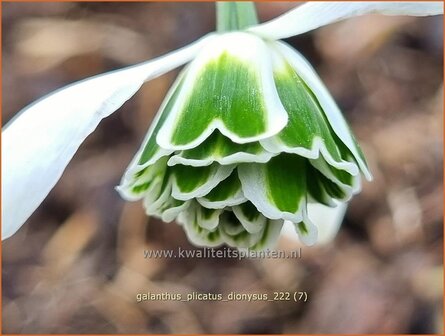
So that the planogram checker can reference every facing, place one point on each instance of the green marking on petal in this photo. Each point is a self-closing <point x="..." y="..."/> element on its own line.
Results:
<point x="172" y="208"/>
<point x="347" y="153"/>
<point x="337" y="122"/>
<point x="324" y="188"/>
<point x="191" y="220"/>
<point x="286" y="182"/>
<point x="140" y="188"/>
<point x="334" y="190"/>
<point x="139" y="170"/>
<point x="307" y="231"/>
<point x="251" y="219"/>
<point x="249" y="211"/>
<point x="278" y="187"/>
<point x="338" y="183"/>
<point x="139" y="173"/>
<point x="149" y="180"/>
<point x="207" y="213"/>
<point x="316" y="188"/>
<point x="190" y="182"/>
<point x="208" y="218"/>
<point x="154" y="199"/>
<point x="307" y="122"/>
<point x="234" y="233"/>
<point x="221" y="149"/>
<point x="269" y="236"/>
<point x="226" y="193"/>
<point x="342" y="176"/>
<point x="151" y="147"/>
<point x="190" y="178"/>
<point x="228" y="188"/>
<point x="162" y="204"/>
<point x="171" y="204"/>
<point x="302" y="228"/>
<point x="227" y="89"/>
<point x="230" y="224"/>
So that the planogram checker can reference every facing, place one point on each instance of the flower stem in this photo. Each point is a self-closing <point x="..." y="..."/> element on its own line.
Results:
<point x="232" y="16"/>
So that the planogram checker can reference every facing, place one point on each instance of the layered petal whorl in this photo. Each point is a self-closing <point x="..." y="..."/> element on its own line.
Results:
<point x="245" y="140"/>
<point x="229" y="87"/>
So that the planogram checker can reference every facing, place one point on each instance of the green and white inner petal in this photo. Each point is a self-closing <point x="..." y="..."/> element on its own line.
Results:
<point x="155" y="198"/>
<point x="322" y="190"/>
<point x="269" y="236"/>
<point x="308" y="132"/>
<point x="234" y="234"/>
<point x="252" y="220"/>
<point x="190" y="220"/>
<point x="218" y="148"/>
<point x="149" y="153"/>
<point x="229" y="87"/>
<point x="349" y="184"/>
<point x="307" y="231"/>
<point x="171" y="209"/>
<point x="191" y="182"/>
<point x="162" y="204"/>
<point x="226" y="194"/>
<point x="327" y="103"/>
<point x="277" y="188"/>
<point x="208" y="218"/>
<point x="147" y="181"/>
<point x="326" y="183"/>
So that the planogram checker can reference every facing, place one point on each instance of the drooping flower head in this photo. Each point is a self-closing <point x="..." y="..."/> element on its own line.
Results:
<point x="248" y="137"/>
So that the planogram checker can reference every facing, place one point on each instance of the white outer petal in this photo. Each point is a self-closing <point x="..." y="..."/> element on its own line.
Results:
<point x="330" y="108"/>
<point x="39" y="143"/>
<point x="327" y="220"/>
<point x="313" y="15"/>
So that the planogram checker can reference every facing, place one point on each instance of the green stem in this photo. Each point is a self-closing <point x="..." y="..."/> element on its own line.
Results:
<point x="232" y="16"/>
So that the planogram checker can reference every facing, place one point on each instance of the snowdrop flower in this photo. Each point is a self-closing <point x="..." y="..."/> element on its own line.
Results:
<point x="247" y="138"/>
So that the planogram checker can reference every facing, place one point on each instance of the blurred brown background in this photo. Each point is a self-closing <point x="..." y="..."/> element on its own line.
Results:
<point x="77" y="264"/>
